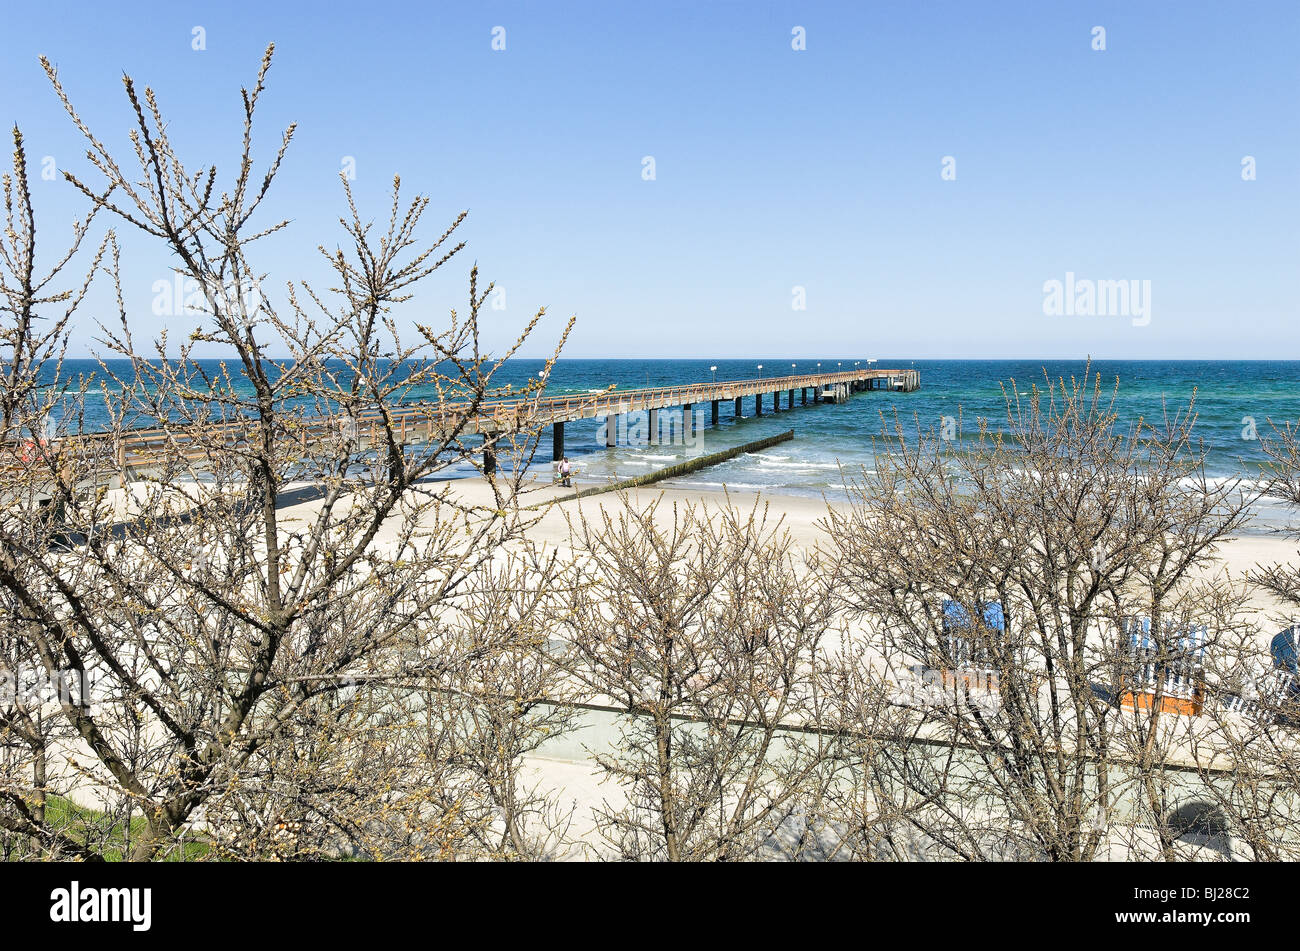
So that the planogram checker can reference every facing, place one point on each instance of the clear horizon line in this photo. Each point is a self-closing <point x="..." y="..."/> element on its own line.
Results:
<point x="661" y="359"/>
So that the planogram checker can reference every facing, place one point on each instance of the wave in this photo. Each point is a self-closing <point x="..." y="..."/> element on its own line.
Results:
<point x="748" y="486"/>
<point x="1215" y="482"/>
<point x="825" y="466"/>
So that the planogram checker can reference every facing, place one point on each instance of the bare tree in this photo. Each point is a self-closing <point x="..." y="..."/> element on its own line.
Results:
<point x="996" y="582"/>
<point x="257" y="579"/>
<point x="705" y="633"/>
<point x="37" y="305"/>
<point x="1246" y="804"/>
<point x="500" y="707"/>
<point x="1282" y="476"/>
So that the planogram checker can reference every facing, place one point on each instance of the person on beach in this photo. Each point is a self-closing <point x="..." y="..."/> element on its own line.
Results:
<point x="566" y="472"/>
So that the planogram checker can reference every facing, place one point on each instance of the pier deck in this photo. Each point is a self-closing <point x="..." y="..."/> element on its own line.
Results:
<point x="533" y="415"/>
<point x="415" y="424"/>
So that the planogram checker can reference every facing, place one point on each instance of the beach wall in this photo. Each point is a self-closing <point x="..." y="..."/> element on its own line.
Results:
<point x="681" y="469"/>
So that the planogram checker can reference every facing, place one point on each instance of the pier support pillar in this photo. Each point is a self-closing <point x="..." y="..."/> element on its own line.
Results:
<point x="715" y="411"/>
<point x="803" y="396"/>
<point x="611" y="431"/>
<point x="758" y="404"/>
<point x="392" y="471"/>
<point x="557" y="441"/>
<point x="738" y="412"/>
<point x="489" y="460"/>
<point x="790" y="399"/>
<point x="653" y="436"/>
<point x="688" y="421"/>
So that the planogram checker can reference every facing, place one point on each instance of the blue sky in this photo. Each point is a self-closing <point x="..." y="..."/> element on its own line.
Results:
<point x="775" y="169"/>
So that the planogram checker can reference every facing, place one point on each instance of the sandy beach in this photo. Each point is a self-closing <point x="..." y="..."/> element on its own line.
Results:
<point x="801" y="516"/>
<point x="554" y="509"/>
<point x="564" y="768"/>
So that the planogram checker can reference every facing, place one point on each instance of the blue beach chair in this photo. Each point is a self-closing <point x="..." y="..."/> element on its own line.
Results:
<point x="1178" y="677"/>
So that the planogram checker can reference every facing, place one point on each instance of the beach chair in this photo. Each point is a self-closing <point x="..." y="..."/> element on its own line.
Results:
<point x="1284" y="690"/>
<point x="1236" y="703"/>
<point x="1172" y="681"/>
<point x="1286" y="657"/>
<point x="1270" y="693"/>
<point x="964" y="661"/>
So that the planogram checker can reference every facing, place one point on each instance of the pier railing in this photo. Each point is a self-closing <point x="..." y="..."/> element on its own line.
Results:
<point x="505" y="415"/>
<point x="422" y="422"/>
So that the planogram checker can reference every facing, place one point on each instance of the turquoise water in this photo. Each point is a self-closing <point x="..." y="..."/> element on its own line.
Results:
<point x="1229" y="394"/>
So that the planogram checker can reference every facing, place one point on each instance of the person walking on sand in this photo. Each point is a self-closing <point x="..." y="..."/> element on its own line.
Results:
<point x="565" y="472"/>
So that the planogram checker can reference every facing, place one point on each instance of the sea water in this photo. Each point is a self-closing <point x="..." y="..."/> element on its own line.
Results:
<point x="1235" y="403"/>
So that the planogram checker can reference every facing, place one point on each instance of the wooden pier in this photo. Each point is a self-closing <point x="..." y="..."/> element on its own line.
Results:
<point x="823" y="387"/>
<point x="418" y="424"/>
<point x="533" y="415"/>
